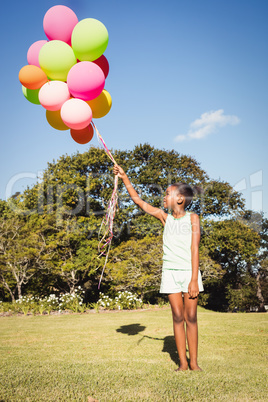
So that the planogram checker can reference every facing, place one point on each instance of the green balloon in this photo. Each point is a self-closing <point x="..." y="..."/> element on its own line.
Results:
<point x="56" y="58"/>
<point x="31" y="95"/>
<point x="89" y="39"/>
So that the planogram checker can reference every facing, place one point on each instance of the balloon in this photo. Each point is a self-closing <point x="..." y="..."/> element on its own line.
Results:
<point x="55" y="120"/>
<point x="33" y="52"/>
<point x="32" y="77"/>
<point x="101" y="105"/>
<point x="102" y="62"/>
<point x="85" y="80"/>
<point x="76" y="114"/>
<point x="59" y="22"/>
<point x="56" y="58"/>
<point x="31" y="95"/>
<point x="53" y="94"/>
<point x="83" y="136"/>
<point x="89" y="39"/>
<point x="66" y="73"/>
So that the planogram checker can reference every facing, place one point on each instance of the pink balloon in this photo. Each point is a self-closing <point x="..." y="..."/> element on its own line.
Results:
<point x="86" y="80"/>
<point x="33" y="52"/>
<point x="59" y="22"/>
<point x="76" y="114"/>
<point x="102" y="62"/>
<point x="53" y="94"/>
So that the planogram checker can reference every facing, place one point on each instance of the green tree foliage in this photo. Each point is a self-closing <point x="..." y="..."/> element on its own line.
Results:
<point x="234" y="246"/>
<point x="54" y="227"/>
<point x="135" y="265"/>
<point x="219" y="200"/>
<point x="262" y="284"/>
<point x="23" y="250"/>
<point x="74" y="254"/>
<point x="244" y="296"/>
<point x="258" y="223"/>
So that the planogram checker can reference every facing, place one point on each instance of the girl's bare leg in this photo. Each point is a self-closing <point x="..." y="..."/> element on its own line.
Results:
<point x="177" y="308"/>
<point x="190" y="313"/>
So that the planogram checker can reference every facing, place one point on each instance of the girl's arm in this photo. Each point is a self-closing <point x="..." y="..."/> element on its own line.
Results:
<point x="193" y="289"/>
<point x="149" y="209"/>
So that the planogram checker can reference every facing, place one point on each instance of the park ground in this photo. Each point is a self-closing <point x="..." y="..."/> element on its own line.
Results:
<point x="131" y="356"/>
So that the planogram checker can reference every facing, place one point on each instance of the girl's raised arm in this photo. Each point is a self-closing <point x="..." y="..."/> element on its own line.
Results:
<point x="149" y="209"/>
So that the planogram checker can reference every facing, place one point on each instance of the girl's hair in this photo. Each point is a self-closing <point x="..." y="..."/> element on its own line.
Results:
<point x="187" y="191"/>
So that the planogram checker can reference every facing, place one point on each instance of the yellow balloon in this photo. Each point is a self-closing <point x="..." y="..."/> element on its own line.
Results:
<point x="55" y="120"/>
<point x="101" y="105"/>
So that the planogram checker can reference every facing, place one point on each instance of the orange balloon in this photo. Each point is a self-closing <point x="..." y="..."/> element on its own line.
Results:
<point x="82" y="136"/>
<point x="32" y="77"/>
<point x="55" y="120"/>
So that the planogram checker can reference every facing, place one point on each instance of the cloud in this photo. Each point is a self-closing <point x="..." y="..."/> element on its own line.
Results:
<point x="208" y="123"/>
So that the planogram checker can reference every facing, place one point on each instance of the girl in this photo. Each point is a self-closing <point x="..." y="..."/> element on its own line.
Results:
<point x="181" y="277"/>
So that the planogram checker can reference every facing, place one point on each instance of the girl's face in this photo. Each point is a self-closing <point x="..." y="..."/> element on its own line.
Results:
<point x="172" y="198"/>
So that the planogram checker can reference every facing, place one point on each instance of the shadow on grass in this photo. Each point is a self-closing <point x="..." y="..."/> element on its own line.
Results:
<point x="132" y="329"/>
<point x="169" y="344"/>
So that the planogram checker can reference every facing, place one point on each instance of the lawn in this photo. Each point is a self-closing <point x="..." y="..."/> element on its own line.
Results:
<point x="131" y="356"/>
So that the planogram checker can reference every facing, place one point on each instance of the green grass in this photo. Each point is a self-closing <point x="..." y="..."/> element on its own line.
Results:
<point x="131" y="356"/>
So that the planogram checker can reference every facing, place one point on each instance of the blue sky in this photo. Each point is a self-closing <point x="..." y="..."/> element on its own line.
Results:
<point x="187" y="75"/>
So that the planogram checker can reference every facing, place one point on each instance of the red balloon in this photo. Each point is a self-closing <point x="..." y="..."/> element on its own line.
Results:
<point x="83" y="136"/>
<point x="102" y="62"/>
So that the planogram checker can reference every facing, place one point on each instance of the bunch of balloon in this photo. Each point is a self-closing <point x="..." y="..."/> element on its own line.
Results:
<point x="66" y="74"/>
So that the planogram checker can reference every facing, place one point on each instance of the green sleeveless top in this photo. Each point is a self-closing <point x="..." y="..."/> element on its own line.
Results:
<point x="177" y="240"/>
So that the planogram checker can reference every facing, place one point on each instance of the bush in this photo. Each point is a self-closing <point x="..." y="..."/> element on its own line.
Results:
<point x="33" y="304"/>
<point x="122" y="301"/>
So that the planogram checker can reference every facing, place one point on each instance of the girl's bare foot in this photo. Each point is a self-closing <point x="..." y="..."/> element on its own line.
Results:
<point x="195" y="367"/>
<point x="182" y="367"/>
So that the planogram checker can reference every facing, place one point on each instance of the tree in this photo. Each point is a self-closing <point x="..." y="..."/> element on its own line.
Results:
<point x="70" y="200"/>
<point x="257" y="222"/>
<point x="262" y="284"/>
<point x="74" y="253"/>
<point x="23" y="251"/>
<point x="82" y="184"/>
<point x="219" y="199"/>
<point x="135" y="265"/>
<point x="234" y="246"/>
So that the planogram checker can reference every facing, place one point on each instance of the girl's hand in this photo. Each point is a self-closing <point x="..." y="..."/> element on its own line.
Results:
<point x="118" y="170"/>
<point x="193" y="289"/>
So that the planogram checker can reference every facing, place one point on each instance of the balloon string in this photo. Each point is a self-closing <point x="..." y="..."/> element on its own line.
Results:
<point x="101" y="141"/>
<point x="108" y="220"/>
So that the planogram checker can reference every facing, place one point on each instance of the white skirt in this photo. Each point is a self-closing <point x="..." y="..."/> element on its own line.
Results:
<point x="175" y="281"/>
